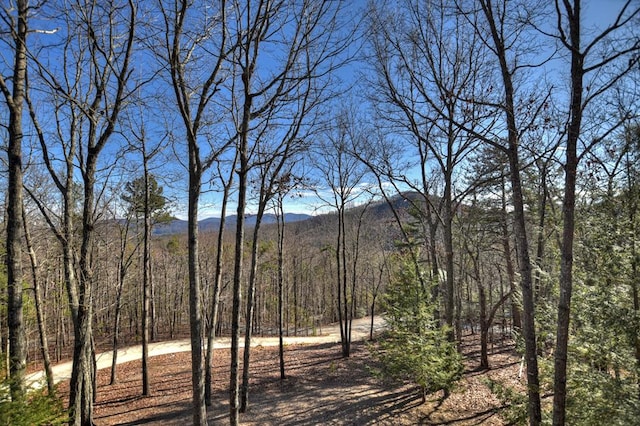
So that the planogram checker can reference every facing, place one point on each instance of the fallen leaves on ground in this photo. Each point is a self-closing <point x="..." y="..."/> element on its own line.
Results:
<point x="321" y="387"/>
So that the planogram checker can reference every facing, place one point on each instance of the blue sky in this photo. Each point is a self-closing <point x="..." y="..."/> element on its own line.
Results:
<point x="597" y="14"/>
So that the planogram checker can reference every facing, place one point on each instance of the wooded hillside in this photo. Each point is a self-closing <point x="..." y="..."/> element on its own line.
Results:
<point x="467" y="165"/>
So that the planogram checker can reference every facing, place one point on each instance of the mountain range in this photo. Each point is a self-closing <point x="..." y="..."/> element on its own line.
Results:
<point x="179" y="226"/>
<point x="380" y="209"/>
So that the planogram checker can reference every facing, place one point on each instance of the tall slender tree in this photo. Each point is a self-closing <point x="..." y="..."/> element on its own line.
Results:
<point x="145" y="198"/>
<point x="194" y="32"/>
<point x="512" y="111"/>
<point x="272" y="173"/>
<point x="277" y="91"/>
<point x="126" y="255"/>
<point x="89" y="91"/>
<point x="494" y="16"/>
<point x="613" y="53"/>
<point x="427" y="63"/>
<point x="212" y="323"/>
<point x="38" y="302"/>
<point x="13" y="89"/>
<point x="343" y="174"/>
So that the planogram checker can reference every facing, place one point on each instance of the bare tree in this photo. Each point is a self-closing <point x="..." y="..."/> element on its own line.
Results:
<point x="342" y="173"/>
<point x="496" y="19"/>
<point x="145" y="198"/>
<point x="280" y="217"/>
<point x="596" y="68"/>
<point x="278" y="91"/>
<point x="13" y="89"/>
<point x="425" y="65"/>
<point x="480" y="234"/>
<point x="514" y="111"/>
<point x="270" y="177"/>
<point x="114" y="70"/>
<point x="89" y="90"/>
<point x="217" y="280"/>
<point x="37" y="298"/>
<point x="125" y="259"/>
<point x="195" y="33"/>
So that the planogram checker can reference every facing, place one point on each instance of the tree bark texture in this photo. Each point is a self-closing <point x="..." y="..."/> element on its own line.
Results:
<point x="522" y="244"/>
<point x="146" y="278"/>
<point x="217" y="287"/>
<point x="251" y="295"/>
<point x="37" y="298"/>
<point x="516" y="312"/>
<point x="237" y="287"/>
<point x="195" y="293"/>
<point x="281" y="229"/>
<point x="15" y="99"/>
<point x="568" y="219"/>
<point x="234" y="389"/>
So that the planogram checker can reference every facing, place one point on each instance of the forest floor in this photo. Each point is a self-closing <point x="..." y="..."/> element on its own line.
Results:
<point x="321" y="388"/>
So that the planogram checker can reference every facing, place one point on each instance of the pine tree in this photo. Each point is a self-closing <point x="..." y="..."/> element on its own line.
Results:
<point x="415" y="346"/>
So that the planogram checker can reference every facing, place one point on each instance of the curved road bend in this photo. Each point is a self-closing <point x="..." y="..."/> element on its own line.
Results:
<point x="330" y="334"/>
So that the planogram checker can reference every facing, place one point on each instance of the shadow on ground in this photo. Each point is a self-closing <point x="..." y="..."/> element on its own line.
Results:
<point x="321" y="388"/>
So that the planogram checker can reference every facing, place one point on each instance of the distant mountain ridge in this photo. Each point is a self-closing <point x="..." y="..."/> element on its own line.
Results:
<point x="379" y="210"/>
<point x="179" y="226"/>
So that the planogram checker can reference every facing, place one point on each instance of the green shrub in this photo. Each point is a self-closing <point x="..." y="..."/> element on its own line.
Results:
<point x="37" y="408"/>
<point x="415" y="347"/>
<point x="516" y="403"/>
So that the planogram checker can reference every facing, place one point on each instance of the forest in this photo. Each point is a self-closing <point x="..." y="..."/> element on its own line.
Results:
<point x="187" y="168"/>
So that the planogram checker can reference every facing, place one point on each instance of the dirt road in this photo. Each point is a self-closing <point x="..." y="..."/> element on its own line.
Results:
<point x="330" y="334"/>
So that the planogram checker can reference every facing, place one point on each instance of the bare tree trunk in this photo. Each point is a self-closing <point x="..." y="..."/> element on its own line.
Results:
<point x="635" y="279"/>
<point x="217" y="286"/>
<point x="354" y="270"/>
<point x="5" y="349"/>
<point x="234" y="385"/>
<point x="484" y="327"/>
<point x="448" y="246"/>
<point x="528" y="315"/>
<point x="249" y="314"/>
<point x="568" y="218"/>
<point x="237" y="283"/>
<point x="341" y="271"/>
<point x="98" y="120"/>
<point x="40" y="316"/>
<point x="632" y="190"/>
<point x="81" y="399"/>
<point x="83" y="374"/>
<point x="625" y="55"/>
<point x="146" y="276"/>
<point x="116" y="321"/>
<point x="193" y="105"/>
<point x="522" y="243"/>
<point x="544" y="196"/>
<point x="516" y="314"/>
<point x="281" y="228"/>
<point x="433" y="257"/>
<point x="195" y="293"/>
<point x="289" y="85"/>
<point x="153" y="318"/>
<point x="635" y="282"/>
<point x="15" y="98"/>
<point x="124" y="262"/>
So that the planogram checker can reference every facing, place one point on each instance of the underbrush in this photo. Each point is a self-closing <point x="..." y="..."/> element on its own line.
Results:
<point x="38" y="407"/>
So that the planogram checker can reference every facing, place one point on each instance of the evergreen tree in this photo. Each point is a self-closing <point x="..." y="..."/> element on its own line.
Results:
<point x="415" y="347"/>
<point x="603" y="363"/>
<point x="134" y="196"/>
